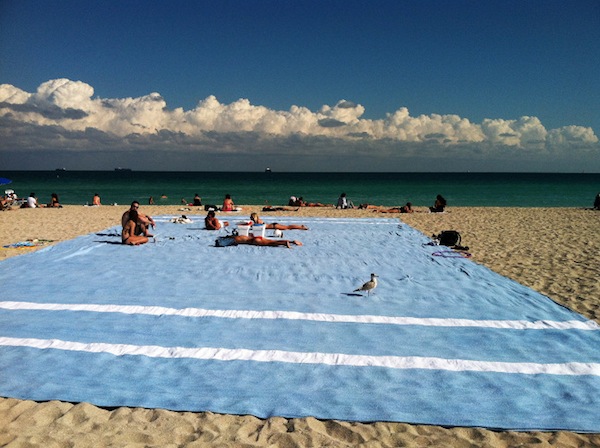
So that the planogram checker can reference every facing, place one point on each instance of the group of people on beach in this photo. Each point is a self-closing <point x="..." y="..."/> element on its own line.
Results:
<point x="31" y="201"/>
<point x="136" y="225"/>
<point x="211" y="222"/>
<point x="136" y="228"/>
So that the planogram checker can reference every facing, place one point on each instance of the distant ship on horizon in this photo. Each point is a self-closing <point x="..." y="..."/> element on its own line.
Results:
<point x="122" y="169"/>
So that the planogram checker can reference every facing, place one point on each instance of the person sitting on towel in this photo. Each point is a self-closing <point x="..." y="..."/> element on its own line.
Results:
<point x="212" y="222"/>
<point x="128" y="235"/>
<point x="143" y="221"/>
<point x="256" y="220"/>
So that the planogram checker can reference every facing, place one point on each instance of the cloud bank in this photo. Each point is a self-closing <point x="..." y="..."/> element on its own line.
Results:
<point x="64" y="115"/>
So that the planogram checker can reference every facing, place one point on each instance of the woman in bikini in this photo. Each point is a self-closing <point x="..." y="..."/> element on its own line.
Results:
<point x="228" y="205"/>
<point x="261" y="241"/>
<point x="256" y="220"/>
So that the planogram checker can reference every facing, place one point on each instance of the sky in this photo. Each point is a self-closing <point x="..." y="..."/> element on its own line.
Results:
<point x="300" y="85"/>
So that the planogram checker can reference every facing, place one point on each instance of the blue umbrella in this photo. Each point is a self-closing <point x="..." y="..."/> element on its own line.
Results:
<point x="4" y="181"/>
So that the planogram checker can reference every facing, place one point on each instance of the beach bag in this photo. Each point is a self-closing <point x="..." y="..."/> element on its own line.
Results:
<point x="224" y="241"/>
<point x="449" y="238"/>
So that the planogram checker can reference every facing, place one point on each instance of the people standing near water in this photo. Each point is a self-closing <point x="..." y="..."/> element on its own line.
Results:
<point x="142" y="221"/>
<point x="212" y="222"/>
<point x="597" y="202"/>
<point x="151" y="200"/>
<point x="128" y="235"/>
<point x="228" y="205"/>
<point x="96" y="199"/>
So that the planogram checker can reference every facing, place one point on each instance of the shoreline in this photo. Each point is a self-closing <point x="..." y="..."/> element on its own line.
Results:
<point x="555" y="251"/>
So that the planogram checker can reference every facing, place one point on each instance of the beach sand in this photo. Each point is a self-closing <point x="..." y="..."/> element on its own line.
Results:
<point x="555" y="251"/>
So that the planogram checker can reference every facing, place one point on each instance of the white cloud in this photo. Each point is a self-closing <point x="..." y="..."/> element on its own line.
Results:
<point x="70" y="109"/>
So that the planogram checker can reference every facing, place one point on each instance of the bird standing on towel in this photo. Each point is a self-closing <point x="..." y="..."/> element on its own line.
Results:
<point x="370" y="285"/>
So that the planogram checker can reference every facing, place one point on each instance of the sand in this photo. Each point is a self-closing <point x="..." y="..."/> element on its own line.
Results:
<point x="555" y="251"/>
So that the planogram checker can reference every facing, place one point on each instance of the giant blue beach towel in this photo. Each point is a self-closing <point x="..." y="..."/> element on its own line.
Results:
<point x="183" y="325"/>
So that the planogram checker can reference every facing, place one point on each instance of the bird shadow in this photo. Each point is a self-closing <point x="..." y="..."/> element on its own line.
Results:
<point x="352" y="294"/>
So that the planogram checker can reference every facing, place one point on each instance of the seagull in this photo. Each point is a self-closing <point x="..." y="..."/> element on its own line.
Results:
<point x="370" y="285"/>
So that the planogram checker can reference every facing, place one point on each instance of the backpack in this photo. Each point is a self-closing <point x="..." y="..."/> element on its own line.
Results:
<point x="449" y="238"/>
<point x="224" y="241"/>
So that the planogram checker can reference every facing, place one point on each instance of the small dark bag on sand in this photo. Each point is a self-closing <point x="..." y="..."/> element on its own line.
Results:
<point x="449" y="238"/>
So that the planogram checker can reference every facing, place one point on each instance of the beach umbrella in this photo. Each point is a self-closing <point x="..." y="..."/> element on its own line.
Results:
<point x="4" y="181"/>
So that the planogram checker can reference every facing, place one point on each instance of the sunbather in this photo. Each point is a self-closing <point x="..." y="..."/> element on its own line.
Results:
<point x="404" y="209"/>
<point x="128" y="235"/>
<point x="143" y="221"/>
<point x="212" y="222"/>
<point x="439" y="205"/>
<point x="270" y="208"/>
<point x="228" y="205"/>
<point x="256" y="220"/>
<point x="261" y="241"/>
<point x="54" y="202"/>
<point x="343" y="202"/>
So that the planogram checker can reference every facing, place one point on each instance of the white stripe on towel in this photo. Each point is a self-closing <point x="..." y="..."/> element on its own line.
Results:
<point x="337" y="359"/>
<point x="294" y="315"/>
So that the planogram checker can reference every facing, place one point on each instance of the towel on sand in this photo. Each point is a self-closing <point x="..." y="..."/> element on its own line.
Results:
<point x="181" y="324"/>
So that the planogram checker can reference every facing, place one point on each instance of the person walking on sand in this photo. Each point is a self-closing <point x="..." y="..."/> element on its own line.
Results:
<point x="96" y="199"/>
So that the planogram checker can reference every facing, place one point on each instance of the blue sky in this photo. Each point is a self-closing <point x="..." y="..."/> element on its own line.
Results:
<point x="363" y="61"/>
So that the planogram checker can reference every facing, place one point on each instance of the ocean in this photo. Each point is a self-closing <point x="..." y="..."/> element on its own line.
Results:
<point x="257" y="188"/>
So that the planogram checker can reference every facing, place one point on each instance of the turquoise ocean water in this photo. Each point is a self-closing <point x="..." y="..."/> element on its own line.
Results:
<point x="460" y="189"/>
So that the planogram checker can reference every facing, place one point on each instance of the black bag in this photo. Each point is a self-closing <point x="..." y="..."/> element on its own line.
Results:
<point x="224" y="241"/>
<point x="449" y="238"/>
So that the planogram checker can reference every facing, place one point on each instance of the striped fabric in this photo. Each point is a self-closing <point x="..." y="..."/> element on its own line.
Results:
<point x="183" y="325"/>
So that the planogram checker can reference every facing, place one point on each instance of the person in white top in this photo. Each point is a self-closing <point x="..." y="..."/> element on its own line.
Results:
<point x="32" y="201"/>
